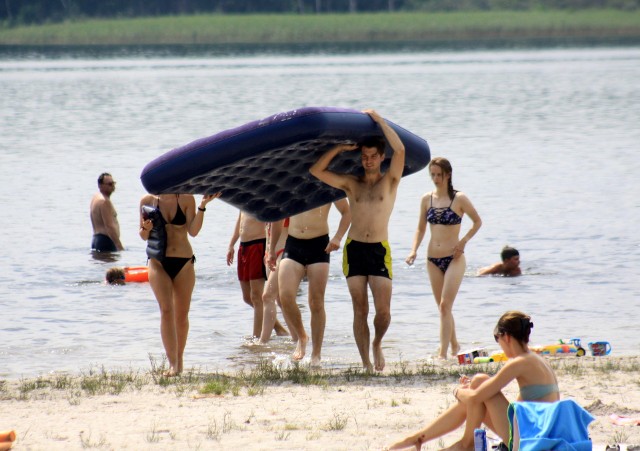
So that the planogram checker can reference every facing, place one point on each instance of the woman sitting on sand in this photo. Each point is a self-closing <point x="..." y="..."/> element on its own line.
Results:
<point x="480" y="399"/>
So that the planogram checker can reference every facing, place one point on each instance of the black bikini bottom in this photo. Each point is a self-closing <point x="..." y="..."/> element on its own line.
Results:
<point x="441" y="262"/>
<point x="173" y="265"/>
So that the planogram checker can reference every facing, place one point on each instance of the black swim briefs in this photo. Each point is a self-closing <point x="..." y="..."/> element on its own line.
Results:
<point x="307" y="251"/>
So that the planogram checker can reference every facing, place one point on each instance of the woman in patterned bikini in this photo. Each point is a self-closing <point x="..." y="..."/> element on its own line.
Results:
<point x="443" y="208"/>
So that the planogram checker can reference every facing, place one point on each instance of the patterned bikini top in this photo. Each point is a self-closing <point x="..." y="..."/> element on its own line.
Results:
<point x="443" y="215"/>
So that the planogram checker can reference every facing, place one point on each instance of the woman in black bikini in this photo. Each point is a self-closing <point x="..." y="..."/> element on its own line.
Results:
<point x="171" y="264"/>
<point x="443" y="208"/>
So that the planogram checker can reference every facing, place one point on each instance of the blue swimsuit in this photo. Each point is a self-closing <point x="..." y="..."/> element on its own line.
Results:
<point x="442" y="216"/>
<point x="535" y="392"/>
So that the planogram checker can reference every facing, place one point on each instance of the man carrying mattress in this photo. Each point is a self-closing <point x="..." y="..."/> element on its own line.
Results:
<point x="367" y="255"/>
<point x="306" y="252"/>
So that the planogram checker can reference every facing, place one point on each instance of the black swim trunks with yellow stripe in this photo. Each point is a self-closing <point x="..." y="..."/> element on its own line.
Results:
<point x="366" y="259"/>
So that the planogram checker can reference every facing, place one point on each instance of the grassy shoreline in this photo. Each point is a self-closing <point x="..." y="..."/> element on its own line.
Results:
<point x="268" y="407"/>
<point x="100" y="381"/>
<point x="331" y="28"/>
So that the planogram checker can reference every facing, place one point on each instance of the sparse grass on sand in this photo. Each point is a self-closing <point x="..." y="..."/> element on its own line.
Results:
<point x="293" y="406"/>
<point x="100" y="381"/>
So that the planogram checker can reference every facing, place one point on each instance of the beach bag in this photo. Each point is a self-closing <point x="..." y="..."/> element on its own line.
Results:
<point x="538" y="426"/>
<point x="157" y="241"/>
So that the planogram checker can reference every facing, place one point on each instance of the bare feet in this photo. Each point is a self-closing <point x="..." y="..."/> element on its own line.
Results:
<point x="378" y="356"/>
<point x="455" y="349"/>
<point x="408" y="442"/>
<point x="171" y="372"/>
<point x="301" y="348"/>
<point x="315" y="361"/>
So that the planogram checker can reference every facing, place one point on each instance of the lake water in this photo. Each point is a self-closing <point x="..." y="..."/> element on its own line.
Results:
<point x="544" y="141"/>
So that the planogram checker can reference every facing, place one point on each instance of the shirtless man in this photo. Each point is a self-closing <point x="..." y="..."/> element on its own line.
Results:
<point x="104" y="219"/>
<point x="510" y="266"/>
<point x="307" y="252"/>
<point x="277" y="233"/>
<point x="366" y="255"/>
<point x="251" y="270"/>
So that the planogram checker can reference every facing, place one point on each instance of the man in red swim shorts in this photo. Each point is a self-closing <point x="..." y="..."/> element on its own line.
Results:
<point x="251" y="270"/>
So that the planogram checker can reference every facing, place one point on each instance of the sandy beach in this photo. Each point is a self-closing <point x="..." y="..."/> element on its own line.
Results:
<point x="296" y="410"/>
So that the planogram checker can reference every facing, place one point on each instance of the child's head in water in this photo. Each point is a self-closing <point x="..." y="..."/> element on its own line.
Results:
<point x="115" y="276"/>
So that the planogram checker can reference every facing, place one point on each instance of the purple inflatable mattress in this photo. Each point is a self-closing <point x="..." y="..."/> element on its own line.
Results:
<point x="263" y="167"/>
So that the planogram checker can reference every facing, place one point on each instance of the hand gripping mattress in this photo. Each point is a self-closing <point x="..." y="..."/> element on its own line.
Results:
<point x="262" y="167"/>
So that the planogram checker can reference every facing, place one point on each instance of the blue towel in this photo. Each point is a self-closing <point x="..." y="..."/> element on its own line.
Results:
<point x="558" y="425"/>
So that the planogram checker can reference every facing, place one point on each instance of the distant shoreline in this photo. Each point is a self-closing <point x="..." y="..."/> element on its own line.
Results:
<point x="273" y="29"/>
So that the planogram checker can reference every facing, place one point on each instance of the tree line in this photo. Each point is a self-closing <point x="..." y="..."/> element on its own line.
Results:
<point x="27" y="12"/>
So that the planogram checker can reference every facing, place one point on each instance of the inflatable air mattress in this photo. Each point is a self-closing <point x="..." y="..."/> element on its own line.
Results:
<point x="262" y="167"/>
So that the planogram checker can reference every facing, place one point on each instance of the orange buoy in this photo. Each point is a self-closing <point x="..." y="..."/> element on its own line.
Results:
<point x="136" y="274"/>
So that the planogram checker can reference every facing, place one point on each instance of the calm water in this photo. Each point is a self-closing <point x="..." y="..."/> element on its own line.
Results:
<point x="545" y="143"/>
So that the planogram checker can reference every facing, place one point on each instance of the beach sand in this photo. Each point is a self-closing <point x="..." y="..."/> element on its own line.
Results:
<point x="345" y="411"/>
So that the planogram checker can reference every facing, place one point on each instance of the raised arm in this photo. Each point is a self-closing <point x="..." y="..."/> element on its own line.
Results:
<point x="320" y="168"/>
<point x="196" y="223"/>
<point x="397" y="160"/>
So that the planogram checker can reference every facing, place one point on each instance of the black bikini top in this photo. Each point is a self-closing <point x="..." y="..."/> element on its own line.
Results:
<point x="179" y="218"/>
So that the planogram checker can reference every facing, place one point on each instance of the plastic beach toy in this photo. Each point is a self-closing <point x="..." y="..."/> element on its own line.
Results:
<point x="599" y="348"/>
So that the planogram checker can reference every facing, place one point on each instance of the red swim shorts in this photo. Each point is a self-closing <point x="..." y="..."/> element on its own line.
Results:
<point x="251" y="260"/>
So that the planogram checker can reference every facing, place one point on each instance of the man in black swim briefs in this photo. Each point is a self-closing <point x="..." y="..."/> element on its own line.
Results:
<point x="307" y="252"/>
<point x="104" y="219"/>
<point x="371" y="199"/>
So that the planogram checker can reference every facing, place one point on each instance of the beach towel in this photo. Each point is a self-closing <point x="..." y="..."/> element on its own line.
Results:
<point x="537" y="426"/>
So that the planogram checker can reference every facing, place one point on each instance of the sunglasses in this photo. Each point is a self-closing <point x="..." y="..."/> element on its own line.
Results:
<point x="497" y="336"/>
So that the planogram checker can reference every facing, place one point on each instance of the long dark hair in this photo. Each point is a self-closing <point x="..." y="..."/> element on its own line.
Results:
<point x="516" y="324"/>
<point x="444" y="164"/>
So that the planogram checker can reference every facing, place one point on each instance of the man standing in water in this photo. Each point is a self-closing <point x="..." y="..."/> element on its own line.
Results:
<point x="306" y="252"/>
<point x="252" y="273"/>
<point x="367" y="255"/>
<point x="104" y="219"/>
